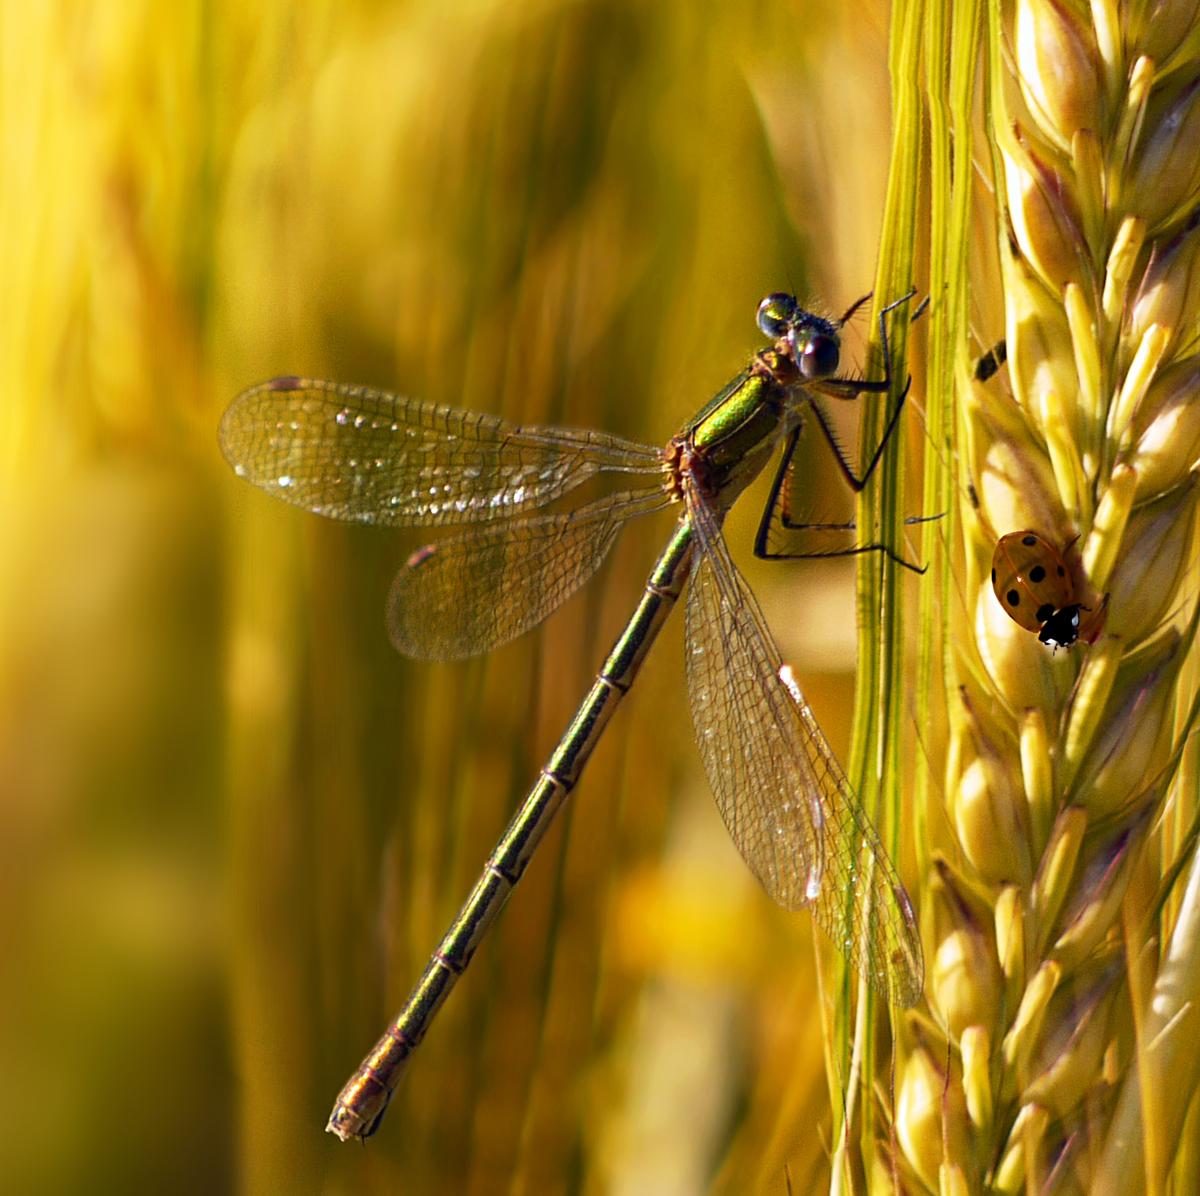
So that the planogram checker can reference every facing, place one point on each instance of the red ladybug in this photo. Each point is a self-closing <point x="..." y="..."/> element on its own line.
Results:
<point x="1035" y="586"/>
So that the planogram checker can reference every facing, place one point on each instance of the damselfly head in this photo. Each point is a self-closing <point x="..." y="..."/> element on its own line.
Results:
<point x="812" y="341"/>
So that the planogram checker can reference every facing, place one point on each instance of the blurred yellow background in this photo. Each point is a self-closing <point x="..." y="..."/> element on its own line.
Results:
<point x="233" y="822"/>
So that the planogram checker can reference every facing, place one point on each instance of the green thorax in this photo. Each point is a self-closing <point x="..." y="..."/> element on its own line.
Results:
<point x="732" y="438"/>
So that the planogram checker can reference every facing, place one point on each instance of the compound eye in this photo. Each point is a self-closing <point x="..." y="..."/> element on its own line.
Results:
<point x="775" y="314"/>
<point x="816" y="355"/>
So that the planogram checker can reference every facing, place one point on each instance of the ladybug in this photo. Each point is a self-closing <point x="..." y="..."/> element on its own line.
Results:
<point x="1035" y="586"/>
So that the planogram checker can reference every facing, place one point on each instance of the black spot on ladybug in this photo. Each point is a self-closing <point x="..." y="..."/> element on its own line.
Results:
<point x="1037" y="573"/>
<point x="1029" y="541"/>
<point x="1014" y="597"/>
<point x="993" y="577"/>
<point x="1044" y="612"/>
<point x="1061" y="571"/>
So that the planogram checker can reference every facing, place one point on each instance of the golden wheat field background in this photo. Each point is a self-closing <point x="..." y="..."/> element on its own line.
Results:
<point x="232" y="821"/>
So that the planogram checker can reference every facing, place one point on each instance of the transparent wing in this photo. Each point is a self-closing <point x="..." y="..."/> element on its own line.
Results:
<point x="471" y="593"/>
<point x="783" y="795"/>
<point x="349" y="452"/>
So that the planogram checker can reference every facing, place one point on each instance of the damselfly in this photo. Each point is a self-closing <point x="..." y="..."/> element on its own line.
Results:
<point x="351" y="453"/>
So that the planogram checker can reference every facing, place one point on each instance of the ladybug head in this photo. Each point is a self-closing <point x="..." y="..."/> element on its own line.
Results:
<point x="1061" y="628"/>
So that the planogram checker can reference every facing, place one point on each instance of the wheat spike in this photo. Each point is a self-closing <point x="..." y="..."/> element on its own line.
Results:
<point x="1059" y="954"/>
